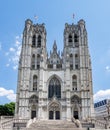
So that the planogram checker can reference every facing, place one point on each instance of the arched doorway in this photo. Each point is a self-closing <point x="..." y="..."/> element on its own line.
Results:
<point x="75" y="113"/>
<point x="54" y="111"/>
<point x="75" y="103"/>
<point x="54" y="88"/>
<point x="33" y="111"/>
<point x="33" y="101"/>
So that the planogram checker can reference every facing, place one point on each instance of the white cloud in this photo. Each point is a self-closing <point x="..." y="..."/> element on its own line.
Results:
<point x="107" y="68"/>
<point x="102" y="94"/>
<point x="7" y="65"/>
<point x="12" y="49"/>
<point x="15" y="67"/>
<point x="9" y="94"/>
<point x="17" y="37"/>
<point x="14" y="53"/>
<point x="17" y="42"/>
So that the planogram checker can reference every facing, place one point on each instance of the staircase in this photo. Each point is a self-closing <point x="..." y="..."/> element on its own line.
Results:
<point x="6" y="123"/>
<point x="11" y="123"/>
<point x="53" y="125"/>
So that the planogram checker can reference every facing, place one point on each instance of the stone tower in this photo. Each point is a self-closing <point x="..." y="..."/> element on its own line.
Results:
<point x="54" y="86"/>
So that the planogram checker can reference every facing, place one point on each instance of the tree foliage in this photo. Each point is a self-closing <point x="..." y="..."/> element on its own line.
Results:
<point x="7" y="109"/>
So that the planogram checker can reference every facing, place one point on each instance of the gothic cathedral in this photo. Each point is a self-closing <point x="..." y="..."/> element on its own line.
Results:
<point x="54" y="86"/>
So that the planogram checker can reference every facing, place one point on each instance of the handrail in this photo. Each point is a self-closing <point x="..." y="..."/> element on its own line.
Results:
<point x="12" y="120"/>
<point x="99" y="123"/>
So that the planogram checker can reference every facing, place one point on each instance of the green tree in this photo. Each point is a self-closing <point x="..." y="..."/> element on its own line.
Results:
<point x="7" y="109"/>
<point x="2" y="110"/>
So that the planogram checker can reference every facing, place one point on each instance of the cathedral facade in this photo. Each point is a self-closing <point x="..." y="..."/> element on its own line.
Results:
<point x="54" y="86"/>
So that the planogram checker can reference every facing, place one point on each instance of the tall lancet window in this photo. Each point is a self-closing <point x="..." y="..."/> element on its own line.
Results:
<point x="76" y="40"/>
<point x="39" y="41"/>
<point x="34" y="40"/>
<point x="71" y="61"/>
<point x="76" y="61"/>
<point x="33" y="61"/>
<point x="70" y="39"/>
<point x="54" y="88"/>
<point x="74" y="82"/>
<point x="38" y="61"/>
<point x="34" y="83"/>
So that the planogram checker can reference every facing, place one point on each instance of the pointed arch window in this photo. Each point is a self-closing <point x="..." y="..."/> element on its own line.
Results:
<point x="74" y="82"/>
<point x="71" y="61"/>
<point x="39" y="41"/>
<point x="34" y="40"/>
<point x="54" y="88"/>
<point x="76" y="61"/>
<point x="70" y="38"/>
<point x="76" y="40"/>
<point x="33" y="61"/>
<point x="71" y="58"/>
<point x="38" y="61"/>
<point x="34" y="83"/>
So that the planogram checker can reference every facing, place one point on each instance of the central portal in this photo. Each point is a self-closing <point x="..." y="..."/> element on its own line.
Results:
<point x="54" y="111"/>
<point x="54" y="115"/>
<point x="57" y="115"/>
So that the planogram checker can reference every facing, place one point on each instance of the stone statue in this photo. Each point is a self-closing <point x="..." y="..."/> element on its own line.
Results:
<point x="77" y="122"/>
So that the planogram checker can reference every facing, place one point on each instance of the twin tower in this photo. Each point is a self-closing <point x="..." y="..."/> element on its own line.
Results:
<point x="54" y="86"/>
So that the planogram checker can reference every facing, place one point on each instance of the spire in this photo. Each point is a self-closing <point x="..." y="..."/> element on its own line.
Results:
<point x="55" y="46"/>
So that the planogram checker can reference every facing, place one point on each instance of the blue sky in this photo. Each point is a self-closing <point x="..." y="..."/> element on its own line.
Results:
<point x="54" y="13"/>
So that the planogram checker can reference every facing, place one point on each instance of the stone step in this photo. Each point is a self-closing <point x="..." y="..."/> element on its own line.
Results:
<point x="53" y="125"/>
<point x="56" y="129"/>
